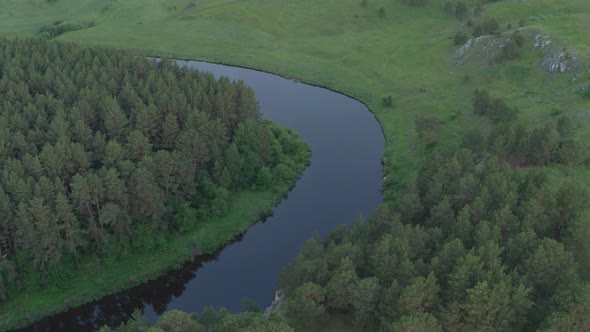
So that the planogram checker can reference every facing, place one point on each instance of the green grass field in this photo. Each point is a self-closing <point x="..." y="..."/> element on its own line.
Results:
<point x="345" y="47"/>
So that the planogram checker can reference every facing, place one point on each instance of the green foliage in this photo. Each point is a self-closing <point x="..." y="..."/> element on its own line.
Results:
<point x="7" y="277"/>
<point x="146" y="237"/>
<point x="495" y="109"/>
<point x="306" y="303"/>
<point x="585" y="92"/>
<point x="116" y="149"/>
<point x="177" y="321"/>
<point x="416" y="322"/>
<point x="210" y="319"/>
<point x="53" y="30"/>
<point x="460" y="38"/>
<point x="388" y="101"/>
<point x="489" y="26"/>
<point x="185" y="219"/>
<point x="475" y="251"/>
<point x="512" y="48"/>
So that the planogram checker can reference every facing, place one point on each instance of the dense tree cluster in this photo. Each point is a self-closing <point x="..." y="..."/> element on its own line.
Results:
<point x="494" y="109"/>
<point x="101" y="150"/>
<point x="474" y="246"/>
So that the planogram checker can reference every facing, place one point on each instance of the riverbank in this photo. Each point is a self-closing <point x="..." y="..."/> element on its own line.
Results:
<point x="95" y="278"/>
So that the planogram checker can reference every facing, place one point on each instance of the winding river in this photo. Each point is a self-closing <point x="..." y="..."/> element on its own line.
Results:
<point x="342" y="184"/>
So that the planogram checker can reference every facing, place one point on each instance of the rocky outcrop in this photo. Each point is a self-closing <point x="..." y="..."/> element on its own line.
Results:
<point x="486" y="46"/>
<point x="553" y="61"/>
<point x="278" y="301"/>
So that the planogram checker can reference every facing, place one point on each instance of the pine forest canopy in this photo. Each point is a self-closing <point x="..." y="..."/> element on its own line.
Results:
<point x="100" y="150"/>
<point x="468" y="246"/>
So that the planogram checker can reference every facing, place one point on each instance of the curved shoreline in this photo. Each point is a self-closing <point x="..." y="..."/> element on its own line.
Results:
<point x="379" y="160"/>
<point x="187" y="255"/>
<point x="291" y="78"/>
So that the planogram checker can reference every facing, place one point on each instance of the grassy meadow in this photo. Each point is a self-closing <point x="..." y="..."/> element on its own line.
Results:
<point x="343" y="46"/>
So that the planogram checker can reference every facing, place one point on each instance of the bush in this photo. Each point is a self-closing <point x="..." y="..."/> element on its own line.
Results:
<point x="381" y="12"/>
<point x="53" y="30"/>
<point x="146" y="237"/>
<point x="264" y="178"/>
<point x="282" y="173"/>
<point x="460" y="38"/>
<point x="185" y="219"/>
<point x="388" y="101"/>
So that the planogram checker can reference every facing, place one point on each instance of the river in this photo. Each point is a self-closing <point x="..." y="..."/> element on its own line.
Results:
<point x="342" y="184"/>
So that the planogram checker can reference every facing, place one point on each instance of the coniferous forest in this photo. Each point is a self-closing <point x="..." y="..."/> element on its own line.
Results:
<point x="101" y="152"/>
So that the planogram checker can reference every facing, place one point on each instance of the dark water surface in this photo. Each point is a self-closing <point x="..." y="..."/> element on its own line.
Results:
<point x="342" y="183"/>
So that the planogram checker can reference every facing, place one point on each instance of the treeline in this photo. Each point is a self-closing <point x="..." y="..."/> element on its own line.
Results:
<point x="101" y="153"/>
<point x="518" y="145"/>
<point x="470" y="246"/>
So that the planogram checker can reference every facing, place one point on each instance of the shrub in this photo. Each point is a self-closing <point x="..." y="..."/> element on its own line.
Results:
<point x="54" y="30"/>
<point x="460" y="38"/>
<point x="388" y="101"/>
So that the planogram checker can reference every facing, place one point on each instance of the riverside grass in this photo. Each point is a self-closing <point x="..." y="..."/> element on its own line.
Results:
<point x="348" y="48"/>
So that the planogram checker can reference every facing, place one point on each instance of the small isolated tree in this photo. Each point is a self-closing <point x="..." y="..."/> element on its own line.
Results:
<point x="388" y="101"/>
<point x="364" y="3"/>
<point x="381" y="12"/>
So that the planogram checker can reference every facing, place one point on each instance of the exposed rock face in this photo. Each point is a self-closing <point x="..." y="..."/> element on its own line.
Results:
<point x="275" y="304"/>
<point x="554" y="61"/>
<point x="489" y="46"/>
